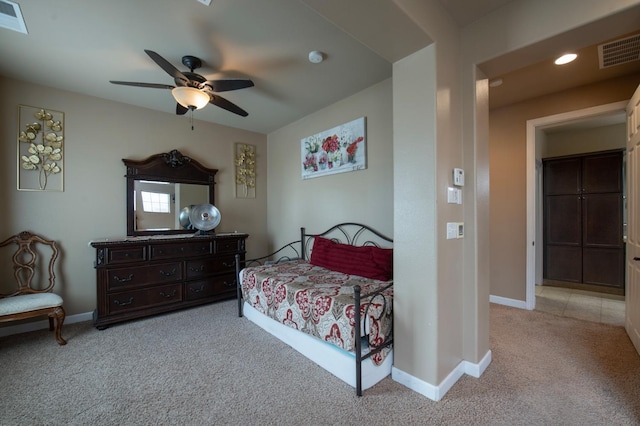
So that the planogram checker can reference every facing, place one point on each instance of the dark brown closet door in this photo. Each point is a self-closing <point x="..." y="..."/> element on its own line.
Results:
<point x="562" y="214"/>
<point x="583" y="219"/>
<point x="602" y="204"/>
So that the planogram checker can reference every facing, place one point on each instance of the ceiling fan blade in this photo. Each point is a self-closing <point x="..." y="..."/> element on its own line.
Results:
<point x="226" y="85"/>
<point x="225" y="104"/>
<point x="180" y="110"/>
<point x="150" y="85"/>
<point x="166" y="66"/>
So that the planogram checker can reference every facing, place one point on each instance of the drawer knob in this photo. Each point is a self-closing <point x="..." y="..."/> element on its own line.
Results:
<point x="123" y="280"/>
<point x="231" y="284"/>
<point x="198" y="290"/>
<point x="228" y="265"/>
<point x="119" y="303"/>
<point x="167" y="274"/>
<point x="200" y="269"/>
<point x="168" y="295"/>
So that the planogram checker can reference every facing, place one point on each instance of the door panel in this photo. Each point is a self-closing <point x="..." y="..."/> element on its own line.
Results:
<point x="566" y="227"/>
<point x="632" y="323"/>
<point x="602" y="173"/>
<point x="562" y="177"/>
<point x="603" y="267"/>
<point x="601" y="229"/>
<point x="563" y="263"/>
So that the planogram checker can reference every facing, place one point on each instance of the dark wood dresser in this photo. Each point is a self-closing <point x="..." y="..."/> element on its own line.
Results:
<point x="142" y="276"/>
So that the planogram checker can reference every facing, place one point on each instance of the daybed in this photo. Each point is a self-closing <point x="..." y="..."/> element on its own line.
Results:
<point x="330" y="297"/>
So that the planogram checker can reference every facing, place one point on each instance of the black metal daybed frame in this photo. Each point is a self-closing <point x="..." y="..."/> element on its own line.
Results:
<point x="347" y="233"/>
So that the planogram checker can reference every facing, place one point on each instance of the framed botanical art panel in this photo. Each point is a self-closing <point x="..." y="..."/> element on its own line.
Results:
<point x="336" y="150"/>
<point x="245" y="162"/>
<point x="40" y="149"/>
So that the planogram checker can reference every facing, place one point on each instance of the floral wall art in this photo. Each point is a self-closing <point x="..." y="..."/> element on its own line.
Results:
<point x="40" y="149"/>
<point x="337" y="150"/>
<point x="245" y="161"/>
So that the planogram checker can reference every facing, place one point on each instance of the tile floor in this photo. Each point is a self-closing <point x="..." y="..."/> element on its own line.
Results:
<point x="580" y="304"/>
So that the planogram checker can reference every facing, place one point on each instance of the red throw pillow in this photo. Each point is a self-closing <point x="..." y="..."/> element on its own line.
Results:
<point x="365" y="261"/>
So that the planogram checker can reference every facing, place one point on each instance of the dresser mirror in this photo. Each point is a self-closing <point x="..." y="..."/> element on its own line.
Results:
<point x="162" y="187"/>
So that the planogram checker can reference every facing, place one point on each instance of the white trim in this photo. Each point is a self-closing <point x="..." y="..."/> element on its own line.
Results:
<point x="436" y="393"/>
<point x="532" y="127"/>
<point x="476" y="370"/>
<point x="520" y="304"/>
<point x="40" y="325"/>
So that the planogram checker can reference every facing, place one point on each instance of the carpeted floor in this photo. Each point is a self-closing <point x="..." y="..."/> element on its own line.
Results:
<point x="206" y="366"/>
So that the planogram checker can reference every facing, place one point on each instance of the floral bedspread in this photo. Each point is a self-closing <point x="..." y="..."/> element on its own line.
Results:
<point x="319" y="302"/>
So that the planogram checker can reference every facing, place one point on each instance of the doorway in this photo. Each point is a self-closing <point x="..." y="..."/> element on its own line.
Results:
<point x="535" y="137"/>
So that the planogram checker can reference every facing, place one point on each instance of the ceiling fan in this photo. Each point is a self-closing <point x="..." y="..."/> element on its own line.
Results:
<point x="193" y="91"/>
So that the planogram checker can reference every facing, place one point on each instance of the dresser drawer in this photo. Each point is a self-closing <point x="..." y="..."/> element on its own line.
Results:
<point x="144" y="298"/>
<point x="228" y="245"/>
<point x="118" y="278"/>
<point x="181" y="249"/>
<point x="205" y="267"/>
<point x="224" y="285"/>
<point x="126" y="254"/>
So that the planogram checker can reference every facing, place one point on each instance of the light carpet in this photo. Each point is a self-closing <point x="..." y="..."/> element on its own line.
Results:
<point x="206" y="366"/>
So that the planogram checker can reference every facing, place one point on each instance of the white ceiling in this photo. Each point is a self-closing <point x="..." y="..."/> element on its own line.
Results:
<point x="79" y="45"/>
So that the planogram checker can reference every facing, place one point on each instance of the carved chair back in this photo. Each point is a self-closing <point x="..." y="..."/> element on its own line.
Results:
<point x="26" y="265"/>
<point x="32" y="297"/>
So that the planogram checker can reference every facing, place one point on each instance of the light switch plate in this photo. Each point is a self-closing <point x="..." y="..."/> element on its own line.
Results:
<point x="452" y="196"/>
<point x="458" y="177"/>
<point x="452" y="230"/>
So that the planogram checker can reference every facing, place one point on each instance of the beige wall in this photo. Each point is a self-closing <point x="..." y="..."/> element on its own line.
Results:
<point x="457" y="327"/>
<point x="364" y="196"/>
<point x="98" y="134"/>
<point x="508" y="174"/>
<point x="580" y="141"/>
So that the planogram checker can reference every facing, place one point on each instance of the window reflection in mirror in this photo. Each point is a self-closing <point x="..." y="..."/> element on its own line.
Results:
<point x="157" y="204"/>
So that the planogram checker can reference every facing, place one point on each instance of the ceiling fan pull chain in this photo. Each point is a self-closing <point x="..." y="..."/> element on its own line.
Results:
<point x="191" y="118"/>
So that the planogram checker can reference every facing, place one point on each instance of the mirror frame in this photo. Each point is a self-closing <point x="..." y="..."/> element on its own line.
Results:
<point x="165" y="167"/>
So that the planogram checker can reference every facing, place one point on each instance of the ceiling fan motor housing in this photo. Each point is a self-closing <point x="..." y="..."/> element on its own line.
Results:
<point x="191" y="62"/>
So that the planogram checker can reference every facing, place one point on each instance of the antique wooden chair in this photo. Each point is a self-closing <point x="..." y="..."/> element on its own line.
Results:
<point x="33" y="299"/>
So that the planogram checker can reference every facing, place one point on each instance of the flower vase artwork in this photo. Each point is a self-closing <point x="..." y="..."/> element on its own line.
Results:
<point x="332" y="147"/>
<point x="337" y="150"/>
<point x="352" y="149"/>
<point x="40" y="149"/>
<point x="323" y="160"/>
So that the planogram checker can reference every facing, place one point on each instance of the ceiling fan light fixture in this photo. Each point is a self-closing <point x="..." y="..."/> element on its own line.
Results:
<point x="565" y="59"/>
<point x="190" y="97"/>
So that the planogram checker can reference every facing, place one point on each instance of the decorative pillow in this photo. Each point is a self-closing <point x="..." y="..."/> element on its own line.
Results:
<point x="365" y="261"/>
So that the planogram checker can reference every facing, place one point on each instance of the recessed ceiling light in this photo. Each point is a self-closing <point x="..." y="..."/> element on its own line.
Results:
<point x="495" y="82"/>
<point x="565" y="59"/>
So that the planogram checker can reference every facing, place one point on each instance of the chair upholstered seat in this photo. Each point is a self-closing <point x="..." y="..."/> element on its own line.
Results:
<point x="29" y="302"/>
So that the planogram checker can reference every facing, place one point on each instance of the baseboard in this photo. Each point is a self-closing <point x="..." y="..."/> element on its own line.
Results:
<point x="521" y="304"/>
<point x="476" y="370"/>
<point x="437" y="392"/>
<point x="40" y="325"/>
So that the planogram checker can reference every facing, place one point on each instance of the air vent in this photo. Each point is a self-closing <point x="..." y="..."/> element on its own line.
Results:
<point x="619" y="51"/>
<point x="11" y="17"/>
